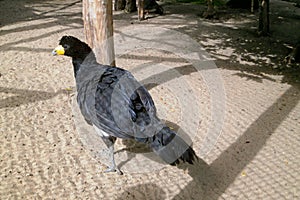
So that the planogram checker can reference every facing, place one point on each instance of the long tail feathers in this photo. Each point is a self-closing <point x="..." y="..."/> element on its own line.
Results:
<point x="172" y="148"/>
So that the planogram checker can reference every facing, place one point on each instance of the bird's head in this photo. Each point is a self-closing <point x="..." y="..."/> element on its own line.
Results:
<point x="73" y="47"/>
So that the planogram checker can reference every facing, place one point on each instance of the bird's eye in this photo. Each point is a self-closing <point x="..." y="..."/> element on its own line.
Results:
<point x="65" y="46"/>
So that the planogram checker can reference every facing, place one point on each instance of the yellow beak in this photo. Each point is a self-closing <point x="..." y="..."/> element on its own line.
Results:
<point x="59" y="50"/>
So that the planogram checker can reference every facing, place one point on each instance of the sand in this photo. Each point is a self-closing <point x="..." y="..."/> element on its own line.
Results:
<point x="221" y="87"/>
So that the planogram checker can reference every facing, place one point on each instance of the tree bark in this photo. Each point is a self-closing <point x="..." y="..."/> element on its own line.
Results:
<point x="98" y="29"/>
<point x="141" y="10"/>
<point x="130" y="6"/>
<point x="210" y="10"/>
<point x="120" y="4"/>
<point x="264" y="21"/>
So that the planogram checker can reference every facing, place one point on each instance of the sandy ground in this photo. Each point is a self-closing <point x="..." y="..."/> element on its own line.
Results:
<point x="256" y="156"/>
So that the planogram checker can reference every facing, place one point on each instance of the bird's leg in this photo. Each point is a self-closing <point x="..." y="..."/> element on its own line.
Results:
<point x="113" y="167"/>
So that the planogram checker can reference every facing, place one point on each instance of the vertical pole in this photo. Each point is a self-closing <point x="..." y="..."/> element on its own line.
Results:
<point x="98" y="29"/>
<point x="141" y="11"/>
<point x="264" y="21"/>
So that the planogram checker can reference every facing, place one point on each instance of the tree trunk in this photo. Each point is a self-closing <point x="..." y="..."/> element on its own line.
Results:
<point x="130" y="6"/>
<point x="120" y="4"/>
<point x="98" y="29"/>
<point x="210" y="13"/>
<point x="294" y="56"/>
<point x="141" y="9"/>
<point x="264" y="22"/>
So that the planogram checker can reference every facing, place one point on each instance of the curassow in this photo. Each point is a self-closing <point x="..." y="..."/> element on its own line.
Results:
<point x="118" y="106"/>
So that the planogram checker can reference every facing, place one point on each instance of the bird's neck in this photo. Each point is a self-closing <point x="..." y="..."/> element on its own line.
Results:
<point x="85" y="59"/>
<point x="76" y="65"/>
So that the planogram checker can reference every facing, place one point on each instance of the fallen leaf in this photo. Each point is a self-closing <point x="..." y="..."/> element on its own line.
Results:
<point x="68" y="89"/>
<point x="243" y="173"/>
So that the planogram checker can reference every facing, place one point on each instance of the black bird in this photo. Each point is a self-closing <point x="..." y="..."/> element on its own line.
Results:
<point x="118" y="106"/>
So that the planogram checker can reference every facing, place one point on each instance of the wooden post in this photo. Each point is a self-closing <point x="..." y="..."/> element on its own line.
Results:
<point x="141" y="10"/>
<point x="98" y="29"/>
<point x="130" y="6"/>
<point x="210" y="12"/>
<point x="264" y="21"/>
<point x="119" y="5"/>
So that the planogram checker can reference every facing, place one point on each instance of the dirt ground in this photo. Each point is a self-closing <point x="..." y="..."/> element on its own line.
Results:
<point x="242" y="96"/>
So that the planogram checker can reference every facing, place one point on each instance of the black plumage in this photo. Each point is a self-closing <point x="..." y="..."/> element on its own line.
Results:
<point x="118" y="106"/>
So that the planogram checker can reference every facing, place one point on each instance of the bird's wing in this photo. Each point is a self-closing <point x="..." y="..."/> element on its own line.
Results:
<point x="120" y="105"/>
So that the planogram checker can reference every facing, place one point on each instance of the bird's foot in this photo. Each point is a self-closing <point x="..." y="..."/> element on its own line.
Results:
<point x="113" y="169"/>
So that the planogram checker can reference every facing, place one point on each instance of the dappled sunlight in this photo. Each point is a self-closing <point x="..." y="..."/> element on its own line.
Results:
<point x="225" y="52"/>
<point x="211" y="42"/>
<point x="255" y="157"/>
<point x="244" y="51"/>
<point x="227" y="25"/>
<point x="259" y="77"/>
<point x="50" y="17"/>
